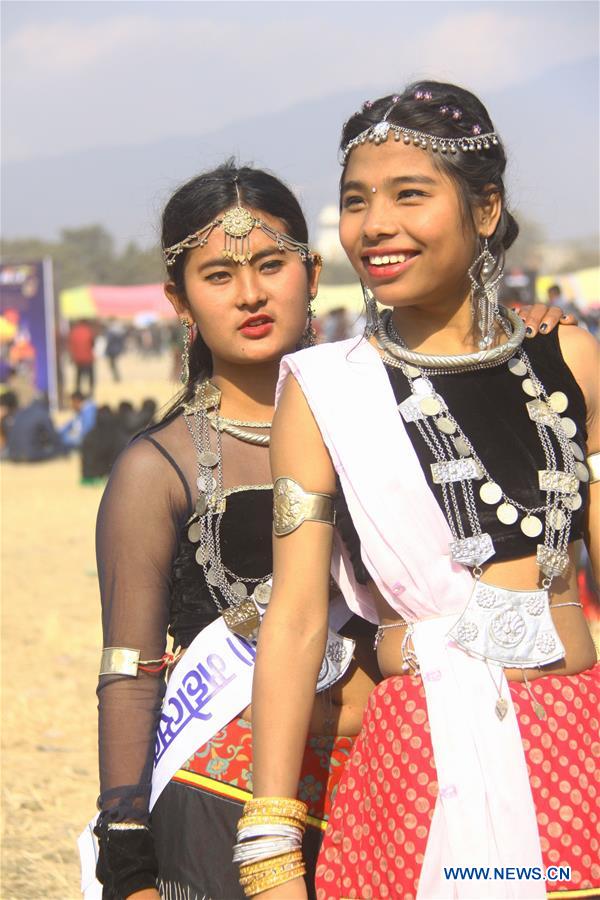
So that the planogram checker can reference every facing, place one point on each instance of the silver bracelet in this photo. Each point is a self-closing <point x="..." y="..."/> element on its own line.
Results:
<point x="259" y="831"/>
<point x="257" y="850"/>
<point x="126" y="826"/>
<point x="569" y="603"/>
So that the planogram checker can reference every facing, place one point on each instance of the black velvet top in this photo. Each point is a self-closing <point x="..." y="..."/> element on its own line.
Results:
<point x="248" y="551"/>
<point x="489" y="405"/>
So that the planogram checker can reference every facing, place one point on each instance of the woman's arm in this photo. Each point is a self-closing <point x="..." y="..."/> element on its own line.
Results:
<point x="581" y="352"/>
<point x="293" y="633"/>
<point x="294" y="629"/>
<point x="136" y="542"/>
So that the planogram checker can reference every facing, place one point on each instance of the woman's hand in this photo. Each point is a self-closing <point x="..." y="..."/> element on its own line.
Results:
<point x="540" y="317"/>
<point x="291" y="890"/>
<point x="145" y="894"/>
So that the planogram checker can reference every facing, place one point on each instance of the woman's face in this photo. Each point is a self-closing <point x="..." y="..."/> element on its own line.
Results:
<point x="253" y="313"/>
<point x="403" y="227"/>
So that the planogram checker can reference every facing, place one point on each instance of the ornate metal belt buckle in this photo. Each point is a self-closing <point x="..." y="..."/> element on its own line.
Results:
<point x="337" y="658"/>
<point x="510" y="628"/>
<point x="243" y="619"/>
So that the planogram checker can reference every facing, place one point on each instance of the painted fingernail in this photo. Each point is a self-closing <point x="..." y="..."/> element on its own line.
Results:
<point x="543" y="327"/>
<point x="529" y="330"/>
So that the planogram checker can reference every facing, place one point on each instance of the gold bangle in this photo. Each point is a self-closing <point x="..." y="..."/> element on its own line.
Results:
<point x="273" y="862"/>
<point x="264" y="883"/>
<point x="274" y="814"/>
<point x="593" y="464"/>
<point x="269" y="820"/>
<point x="285" y="873"/>
<point x="276" y="803"/>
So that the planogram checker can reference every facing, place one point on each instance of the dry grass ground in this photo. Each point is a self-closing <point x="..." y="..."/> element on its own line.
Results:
<point x="50" y="654"/>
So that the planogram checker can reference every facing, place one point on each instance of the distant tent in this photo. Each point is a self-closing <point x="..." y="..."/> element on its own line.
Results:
<point x="95" y="301"/>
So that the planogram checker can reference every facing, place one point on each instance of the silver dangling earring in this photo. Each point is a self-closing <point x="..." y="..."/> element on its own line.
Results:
<point x="371" y="311"/>
<point x="309" y="336"/>
<point x="185" y="355"/>
<point x="484" y="293"/>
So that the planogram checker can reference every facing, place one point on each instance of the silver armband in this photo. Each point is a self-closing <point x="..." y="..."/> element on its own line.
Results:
<point x="292" y="506"/>
<point x="119" y="661"/>
<point x="593" y="464"/>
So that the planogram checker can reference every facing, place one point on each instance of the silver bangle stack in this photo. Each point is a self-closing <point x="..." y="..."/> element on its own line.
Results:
<point x="266" y="841"/>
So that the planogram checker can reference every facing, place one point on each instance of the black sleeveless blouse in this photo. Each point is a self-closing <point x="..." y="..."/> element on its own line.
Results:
<point x="489" y="405"/>
<point x="246" y="549"/>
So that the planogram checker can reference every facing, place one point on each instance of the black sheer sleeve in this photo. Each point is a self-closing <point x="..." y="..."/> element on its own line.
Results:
<point x="136" y="542"/>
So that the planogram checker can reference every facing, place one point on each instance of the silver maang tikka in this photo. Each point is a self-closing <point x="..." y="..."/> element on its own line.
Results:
<point x="485" y="275"/>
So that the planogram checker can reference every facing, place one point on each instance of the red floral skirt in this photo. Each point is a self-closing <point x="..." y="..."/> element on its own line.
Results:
<point x="375" y="841"/>
<point x="223" y="767"/>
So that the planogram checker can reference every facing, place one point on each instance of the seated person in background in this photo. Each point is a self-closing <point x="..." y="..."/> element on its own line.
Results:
<point x="101" y="445"/>
<point x="74" y="431"/>
<point x="127" y="419"/>
<point x="9" y="405"/>
<point x="33" y="437"/>
<point x="145" y="416"/>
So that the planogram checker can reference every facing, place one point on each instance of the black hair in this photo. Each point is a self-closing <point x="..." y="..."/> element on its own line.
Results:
<point x="446" y="110"/>
<point x="195" y="204"/>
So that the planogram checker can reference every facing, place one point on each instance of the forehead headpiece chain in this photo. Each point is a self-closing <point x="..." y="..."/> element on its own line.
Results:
<point x="237" y="224"/>
<point x="379" y="133"/>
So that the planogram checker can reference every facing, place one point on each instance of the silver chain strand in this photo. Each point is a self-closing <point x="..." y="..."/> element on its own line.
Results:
<point x="211" y="490"/>
<point x="558" y="514"/>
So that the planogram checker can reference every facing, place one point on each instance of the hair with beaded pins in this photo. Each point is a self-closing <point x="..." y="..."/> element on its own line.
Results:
<point x="454" y="126"/>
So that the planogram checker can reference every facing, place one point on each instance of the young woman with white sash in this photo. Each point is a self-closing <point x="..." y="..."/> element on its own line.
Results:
<point x="464" y="464"/>
<point x="184" y="546"/>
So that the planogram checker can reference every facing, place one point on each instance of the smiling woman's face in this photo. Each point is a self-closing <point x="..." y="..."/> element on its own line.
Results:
<point x="403" y="226"/>
<point x="253" y="313"/>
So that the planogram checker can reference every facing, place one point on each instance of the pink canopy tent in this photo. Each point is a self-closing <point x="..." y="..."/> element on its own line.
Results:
<point x="95" y="301"/>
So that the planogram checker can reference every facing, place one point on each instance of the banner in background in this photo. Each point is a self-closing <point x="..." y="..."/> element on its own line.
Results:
<point x="27" y="324"/>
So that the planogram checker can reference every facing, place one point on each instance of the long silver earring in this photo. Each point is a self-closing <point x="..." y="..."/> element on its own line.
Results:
<point x="185" y="355"/>
<point x="309" y="336"/>
<point x="371" y="311"/>
<point x="485" y="275"/>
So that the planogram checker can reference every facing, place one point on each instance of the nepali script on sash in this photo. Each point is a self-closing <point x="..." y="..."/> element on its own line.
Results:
<point x="211" y="684"/>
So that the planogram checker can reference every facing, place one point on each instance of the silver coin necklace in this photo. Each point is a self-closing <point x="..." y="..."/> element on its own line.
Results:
<point x="237" y="598"/>
<point x="502" y="626"/>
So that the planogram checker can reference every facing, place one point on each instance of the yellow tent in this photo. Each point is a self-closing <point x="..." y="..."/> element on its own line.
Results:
<point x="582" y="287"/>
<point x="332" y="296"/>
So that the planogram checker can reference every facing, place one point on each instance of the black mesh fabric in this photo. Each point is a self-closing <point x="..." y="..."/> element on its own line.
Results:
<point x="150" y="583"/>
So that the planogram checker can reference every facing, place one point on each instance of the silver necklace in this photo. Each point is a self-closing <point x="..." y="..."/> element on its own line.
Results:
<point x="219" y="424"/>
<point x="510" y="628"/>
<point x="388" y="340"/>
<point x="241" y="594"/>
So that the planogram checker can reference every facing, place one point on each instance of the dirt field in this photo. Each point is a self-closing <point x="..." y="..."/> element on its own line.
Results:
<point x="50" y="656"/>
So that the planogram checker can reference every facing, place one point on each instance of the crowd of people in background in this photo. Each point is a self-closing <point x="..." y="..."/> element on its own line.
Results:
<point x="28" y="432"/>
<point x="99" y="433"/>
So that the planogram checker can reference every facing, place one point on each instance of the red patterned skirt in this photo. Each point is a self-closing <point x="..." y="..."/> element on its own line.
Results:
<point x="224" y="767"/>
<point x="195" y="819"/>
<point x="375" y="841"/>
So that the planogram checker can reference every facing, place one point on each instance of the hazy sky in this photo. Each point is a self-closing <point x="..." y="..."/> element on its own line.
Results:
<point x="93" y="74"/>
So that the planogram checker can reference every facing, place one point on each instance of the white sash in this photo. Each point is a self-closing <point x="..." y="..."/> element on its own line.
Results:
<point x="484" y="814"/>
<point x="210" y="685"/>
